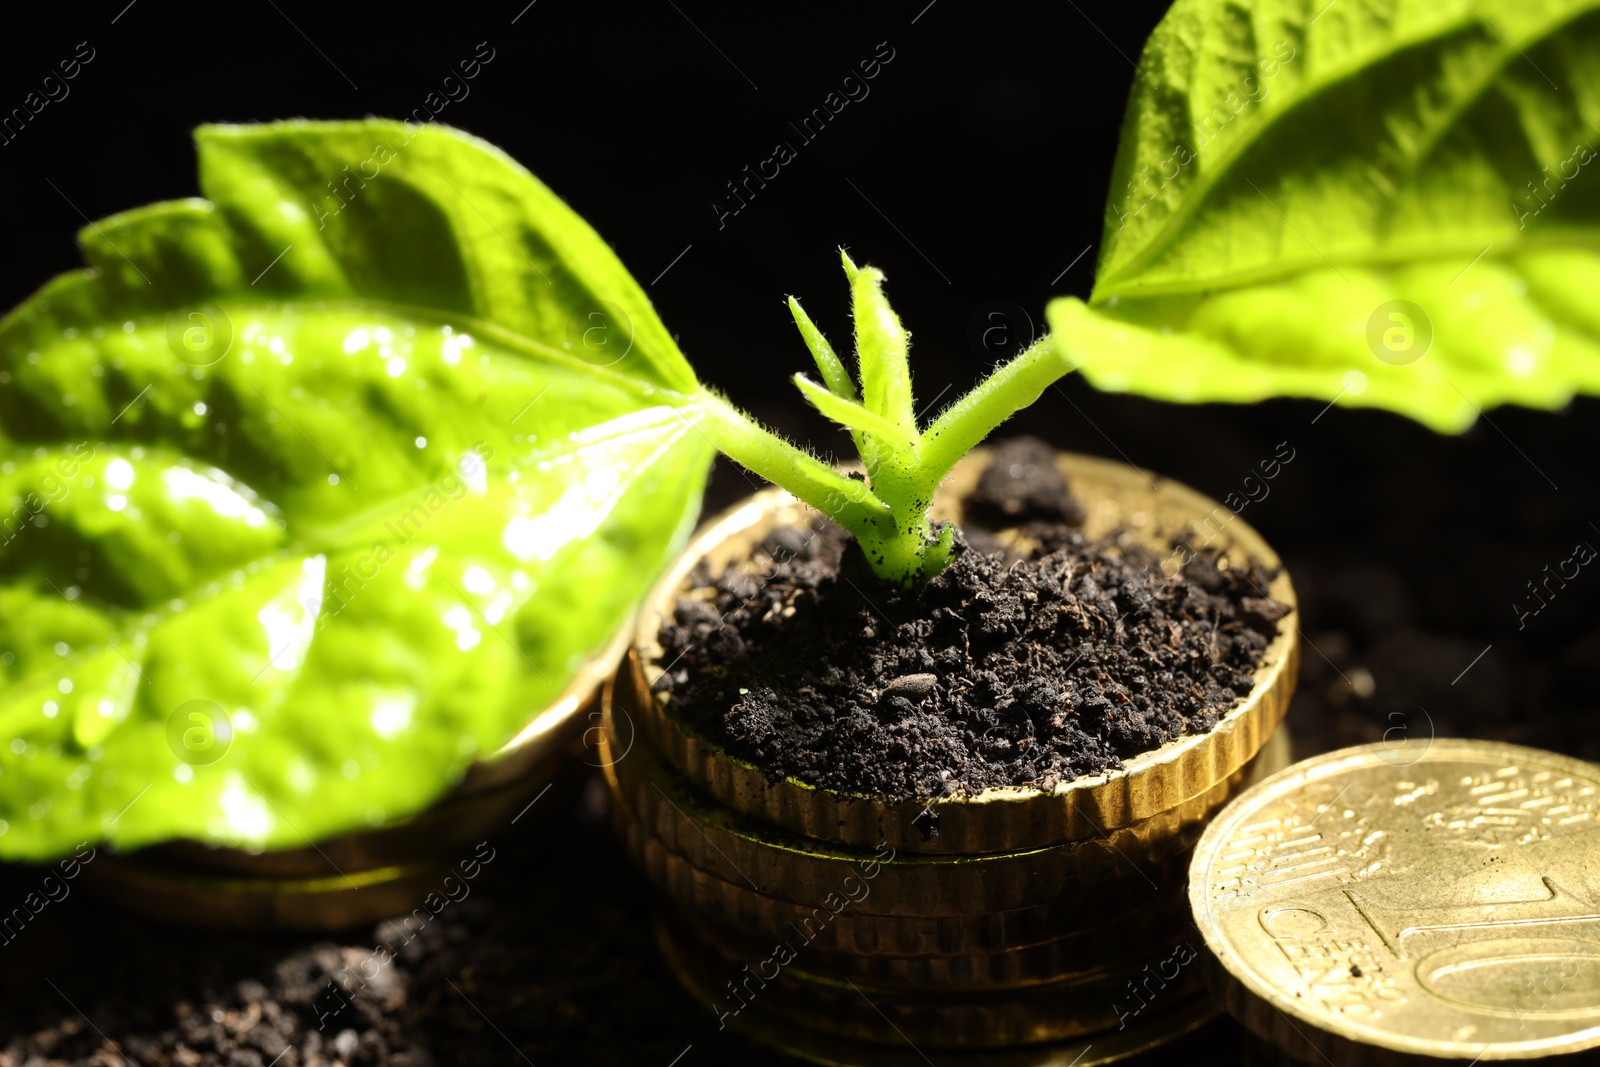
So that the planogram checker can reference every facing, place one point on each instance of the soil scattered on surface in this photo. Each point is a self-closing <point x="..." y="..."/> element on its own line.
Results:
<point x="1010" y="668"/>
<point x="544" y="959"/>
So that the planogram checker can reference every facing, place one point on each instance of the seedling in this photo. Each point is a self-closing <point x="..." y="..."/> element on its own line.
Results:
<point x="888" y="512"/>
<point x="311" y="492"/>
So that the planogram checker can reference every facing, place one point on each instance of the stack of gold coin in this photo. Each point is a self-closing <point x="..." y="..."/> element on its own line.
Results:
<point x="1009" y="926"/>
<point x="1402" y="904"/>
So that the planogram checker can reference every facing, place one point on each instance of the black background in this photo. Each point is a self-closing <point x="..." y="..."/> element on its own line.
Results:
<point x="975" y="172"/>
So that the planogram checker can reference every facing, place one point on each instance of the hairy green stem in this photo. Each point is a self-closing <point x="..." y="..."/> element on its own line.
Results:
<point x="845" y="500"/>
<point x="887" y="513"/>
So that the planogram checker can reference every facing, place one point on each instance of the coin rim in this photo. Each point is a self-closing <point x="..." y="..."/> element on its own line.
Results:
<point x="916" y="883"/>
<point x="813" y="1046"/>
<point x="1068" y="1008"/>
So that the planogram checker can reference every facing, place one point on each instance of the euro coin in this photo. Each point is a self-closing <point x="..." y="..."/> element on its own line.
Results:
<point x="1437" y="899"/>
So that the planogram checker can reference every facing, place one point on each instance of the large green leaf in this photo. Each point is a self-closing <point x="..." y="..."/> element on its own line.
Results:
<point x="1291" y="168"/>
<point x="366" y="453"/>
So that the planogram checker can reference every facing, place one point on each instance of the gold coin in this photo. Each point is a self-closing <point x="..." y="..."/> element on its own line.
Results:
<point x="1083" y="952"/>
<point x="1113" y="940"/>
<point x="1135" y="862"/>
<point x="338" y="883"/>
<point x="391" y="868"/>
<point x="1070" y="1007"/>
<point x="836" y="927"/>
<point x="1119" y="498"/>
<point x="1438" y="899"/>
<point x="834" y="923"/>
<point x="1146" y="1032"/>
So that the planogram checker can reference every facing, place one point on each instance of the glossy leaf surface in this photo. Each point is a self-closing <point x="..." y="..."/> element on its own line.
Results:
<point x="316" y="489"/>
<point x="1391" y="203"/>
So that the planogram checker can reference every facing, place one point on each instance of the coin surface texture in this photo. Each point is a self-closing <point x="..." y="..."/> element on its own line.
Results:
<point x="1438" y="899"/>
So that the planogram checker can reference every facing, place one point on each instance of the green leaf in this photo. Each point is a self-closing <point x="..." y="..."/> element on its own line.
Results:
<point x="882" y="349"/>
<point x="829" y="365"/>
<point x="1348" y="201"/>
<point x="361" y="456"/>
<point x="853" y="416"/>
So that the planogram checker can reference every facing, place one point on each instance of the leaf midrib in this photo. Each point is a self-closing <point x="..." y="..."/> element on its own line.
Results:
<point x="1106" y="287"/>
<point x="1282" y="270"/>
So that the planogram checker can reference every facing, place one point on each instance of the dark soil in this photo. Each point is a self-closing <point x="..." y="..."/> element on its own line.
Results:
<point x="534" y="965"/>
<point x="1004" y="670"/>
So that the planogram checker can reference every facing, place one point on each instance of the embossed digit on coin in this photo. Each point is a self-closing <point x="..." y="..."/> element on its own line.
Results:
<point x="1444" y="906"/>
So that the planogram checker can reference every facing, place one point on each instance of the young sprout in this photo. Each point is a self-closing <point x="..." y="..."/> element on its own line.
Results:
<point x="888" y="512"/>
